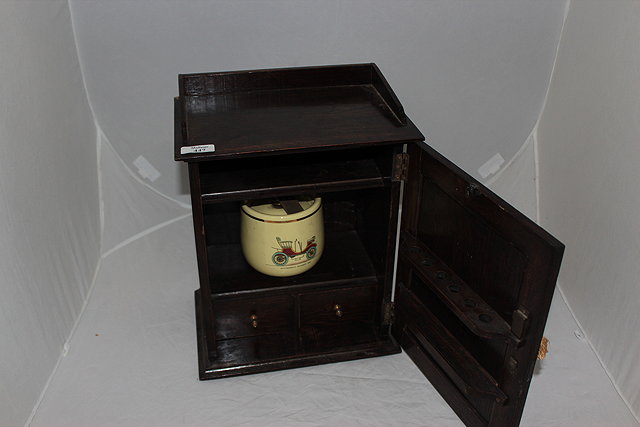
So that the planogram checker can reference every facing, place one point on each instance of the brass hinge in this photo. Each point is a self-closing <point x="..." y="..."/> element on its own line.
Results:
<point x="389" y="313"/>
<point x="400" y="166"/>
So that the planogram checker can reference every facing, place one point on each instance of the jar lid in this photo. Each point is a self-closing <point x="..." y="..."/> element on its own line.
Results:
<point x="276" y="213"/>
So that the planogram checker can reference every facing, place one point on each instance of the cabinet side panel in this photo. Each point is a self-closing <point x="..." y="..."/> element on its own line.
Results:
<point x="206" y="332"/>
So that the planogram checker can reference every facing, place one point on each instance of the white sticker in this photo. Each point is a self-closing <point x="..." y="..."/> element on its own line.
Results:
<point x="492" y="166"/>
<point x="145" y="169"/>
<point x="192" y="149"/>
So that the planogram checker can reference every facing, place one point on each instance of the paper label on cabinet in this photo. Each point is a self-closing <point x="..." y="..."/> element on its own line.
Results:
<point x="193" y="149"/>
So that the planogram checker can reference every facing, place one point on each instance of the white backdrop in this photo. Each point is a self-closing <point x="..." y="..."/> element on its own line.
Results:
<point x="472" y="75"/>
<point x="589" y="174"/>
<point x="49" y="221"/>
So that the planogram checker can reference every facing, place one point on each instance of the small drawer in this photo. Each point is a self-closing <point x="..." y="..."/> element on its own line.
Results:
<point x="237" y="318"/>
<point x="338" y="307"/>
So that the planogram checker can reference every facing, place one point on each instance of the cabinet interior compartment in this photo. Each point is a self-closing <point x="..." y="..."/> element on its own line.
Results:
<point x="290" y="174"/>
<point x="356" y="227"/>
<point x="332" y="312"/>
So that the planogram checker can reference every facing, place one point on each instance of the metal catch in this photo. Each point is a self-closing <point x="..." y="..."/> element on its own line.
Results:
<point x="544" y="348"/>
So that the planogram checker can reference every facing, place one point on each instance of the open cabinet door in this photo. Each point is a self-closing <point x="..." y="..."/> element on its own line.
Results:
<point x="474" y="284"/>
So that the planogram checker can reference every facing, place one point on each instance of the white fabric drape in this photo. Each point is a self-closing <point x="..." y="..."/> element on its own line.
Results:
<point x="472" y="75"/>
<point x="49" y="221"/>
<point x="589" y="171"/>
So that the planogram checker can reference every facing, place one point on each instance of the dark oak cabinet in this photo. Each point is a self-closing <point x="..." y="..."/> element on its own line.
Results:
<point x="469" y="294"/>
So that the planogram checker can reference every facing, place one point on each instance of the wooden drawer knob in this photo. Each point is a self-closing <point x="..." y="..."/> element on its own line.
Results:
<point x="254" y="321"/>
<point x="338" y="310"/>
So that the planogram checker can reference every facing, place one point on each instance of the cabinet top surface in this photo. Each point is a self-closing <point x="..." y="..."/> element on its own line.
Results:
<point x="281" y="110"/>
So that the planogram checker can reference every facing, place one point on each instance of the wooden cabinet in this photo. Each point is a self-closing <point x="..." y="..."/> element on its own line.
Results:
<point x="474" y="278"/>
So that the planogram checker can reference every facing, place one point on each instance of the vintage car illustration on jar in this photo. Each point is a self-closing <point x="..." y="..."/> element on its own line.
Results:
<point x="288" y="252"/>
<point x="282" y="244"/>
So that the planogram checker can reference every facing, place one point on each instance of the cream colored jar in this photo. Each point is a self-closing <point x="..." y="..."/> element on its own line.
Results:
<point x="281" y="244"/>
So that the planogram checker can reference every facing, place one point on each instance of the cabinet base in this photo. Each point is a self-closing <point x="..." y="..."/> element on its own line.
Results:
<point x="272" y="352"/>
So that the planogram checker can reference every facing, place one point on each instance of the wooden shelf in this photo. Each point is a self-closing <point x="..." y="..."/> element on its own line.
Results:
<point x="344" y="260"/>
<point x="443" y="348"/>
<point x="290" y="175"/>
<point x="458" y="296"/>
<point x="282" y="110"/>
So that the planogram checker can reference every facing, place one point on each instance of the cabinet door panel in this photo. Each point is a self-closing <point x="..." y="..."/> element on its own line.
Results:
<point x="474" y="275"/>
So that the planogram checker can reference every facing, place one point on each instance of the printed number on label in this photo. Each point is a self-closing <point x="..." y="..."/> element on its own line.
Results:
<point x="193" y="149"/>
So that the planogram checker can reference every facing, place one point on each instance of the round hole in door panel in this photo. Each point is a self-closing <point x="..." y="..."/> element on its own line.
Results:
<point x="468" y="302"/>
<point x="454" y="288"/>
<point x="485" y="318"/>
<point x="441" y="275"/>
